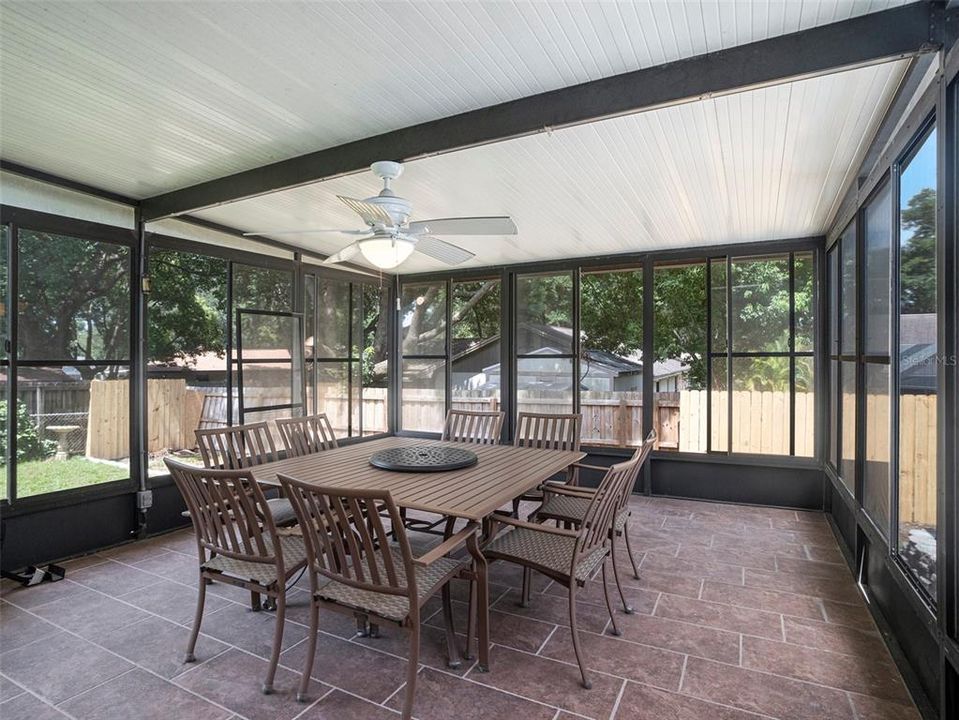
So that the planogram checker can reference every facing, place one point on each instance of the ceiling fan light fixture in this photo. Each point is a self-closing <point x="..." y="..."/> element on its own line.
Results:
<point x="386" y="252"/>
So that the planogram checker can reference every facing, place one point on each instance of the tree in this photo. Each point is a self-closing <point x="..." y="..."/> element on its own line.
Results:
<point x="74" y="298"/>
<point x="187" y="306"/>
<point x="917" y="267"/>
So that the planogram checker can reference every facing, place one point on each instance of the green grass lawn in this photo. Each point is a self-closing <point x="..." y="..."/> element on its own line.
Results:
<point x="42" y="476"/>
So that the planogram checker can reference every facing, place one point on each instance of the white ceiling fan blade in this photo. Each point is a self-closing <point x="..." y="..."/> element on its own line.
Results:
<point x="371" y="214"/>
<point x="343" y="255"/>
<point x="442" y="250"/>
<point x="464" y="226"/>
<point x="305" y="231"/>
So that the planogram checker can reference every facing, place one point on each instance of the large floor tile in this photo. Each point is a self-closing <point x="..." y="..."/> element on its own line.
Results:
<point x="113" y="578"/>
<point x="32" y="597"/>
<point x="769" y="600"/>
<point x="172" y="601"/>
<point x="642" y="702"/>
<point x="614" y="656"/>
<point x="61" y="666"/>
<point x="90" y="614"/>
<point x="549" y="682"/>
<point x="867" y="674"/>
<point x="234" y="680"/>
<point x="836" y="638"/>
<point x="440" y="696"/>
<point x="350" y="666"/>
<point x="825" y="588"/>
<point x="763" y="693"/>
<point x="138" y="695"/>
<point x="18" y="627"/>
<point x="683" y="637"/>
<point x="871" y="708"/>
<point x="28" y="707"/>
<point x="553" y="607"/>
<point x="159" y="645"/>
<point x="339" y="705"/>
<point x="718" y="615"/>
<point x="249" y="630"/>
<point x="9" y="689"/>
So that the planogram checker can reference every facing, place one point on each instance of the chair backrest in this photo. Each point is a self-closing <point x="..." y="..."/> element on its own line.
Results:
<point x="548" y="431"/>
<point x="640" y="456"/>
<point x="346" y="541"/>
<point x="306" y="435"/>
<point x="479" y="427"/>
<point x="229" y="512"/>
<point x="616" y="484"/>
<point x="235" y="447"/>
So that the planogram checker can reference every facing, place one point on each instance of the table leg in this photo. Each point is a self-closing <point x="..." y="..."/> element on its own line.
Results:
<point x="482" y="602"/>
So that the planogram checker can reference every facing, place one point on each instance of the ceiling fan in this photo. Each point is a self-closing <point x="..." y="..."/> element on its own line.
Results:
<point x="390" y="237"/>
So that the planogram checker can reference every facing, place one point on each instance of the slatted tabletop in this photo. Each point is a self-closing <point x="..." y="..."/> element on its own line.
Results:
<point x="502" y="473"/>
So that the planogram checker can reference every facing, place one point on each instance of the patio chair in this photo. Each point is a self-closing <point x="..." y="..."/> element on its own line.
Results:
<point x="306" y="435"/>
<point x="568" y="505"/>
<point x="354" y="568"/>
<point x="238" y="544"/>
<point x="473" y="426"/>
<point x="551" y="431"/>
<point x="568" y="557"/>
<point x="243" y="446"/>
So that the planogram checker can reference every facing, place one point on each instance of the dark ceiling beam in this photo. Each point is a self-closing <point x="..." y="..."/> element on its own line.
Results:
<point x="279" y="244"/>
<point x="51" y="179"/>
<point x="901" y="32"/>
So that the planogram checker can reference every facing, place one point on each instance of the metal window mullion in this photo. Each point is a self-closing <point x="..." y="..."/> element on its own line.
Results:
<point x="895" y="176"/>
<point x="362" y="348"/>
<point x="792" y="353"/>
<point x="229" y="342"/>
<point x="349" y="365"/>
<point x="729" y="355"/>
<point x="577" y="340"/>
<point x="649" y="350"/>
<point x="507" y="384"/>
<point x="139" y="439"/>
<point x="12" y="300"/>
<point x="449" y="345"/>
<point x="239" y="366"/>
<point x="709" y="355"/>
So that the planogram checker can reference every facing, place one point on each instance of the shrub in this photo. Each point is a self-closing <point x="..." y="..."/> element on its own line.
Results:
<point x="30" y="446"/>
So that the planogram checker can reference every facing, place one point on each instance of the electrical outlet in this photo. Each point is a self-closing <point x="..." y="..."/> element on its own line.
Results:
<point x="144" y="499"/>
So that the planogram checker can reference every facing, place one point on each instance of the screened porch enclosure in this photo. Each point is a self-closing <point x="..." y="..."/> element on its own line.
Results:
<point x="708" y="250"/>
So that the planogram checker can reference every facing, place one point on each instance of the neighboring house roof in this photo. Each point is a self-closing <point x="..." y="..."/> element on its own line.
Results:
<point x="214" y="362"/>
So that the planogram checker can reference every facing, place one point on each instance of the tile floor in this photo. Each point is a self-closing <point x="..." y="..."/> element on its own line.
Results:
<point x="740" y="613"/>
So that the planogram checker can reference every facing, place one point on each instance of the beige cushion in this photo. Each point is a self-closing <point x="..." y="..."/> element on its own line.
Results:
<point x="294" y="555"/>
<point x="545" y="549"/>
<point x="392" y="607"/>
<point x="563" y="507"/>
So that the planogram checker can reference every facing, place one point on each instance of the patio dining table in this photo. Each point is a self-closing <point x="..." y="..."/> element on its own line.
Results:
<point x="502" y="473"/>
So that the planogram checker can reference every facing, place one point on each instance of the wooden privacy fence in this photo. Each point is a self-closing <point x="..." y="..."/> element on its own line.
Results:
<point x="760" y="422"/>
<point x="173" y="413"/>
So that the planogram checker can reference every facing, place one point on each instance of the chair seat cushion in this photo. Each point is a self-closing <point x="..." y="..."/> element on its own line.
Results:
<point x="392" y="607"/>
<point x="294" y="557"/>
<point x="282" y="511"/>
<point x="553" y="552"/>
<point x="563" y="507"/>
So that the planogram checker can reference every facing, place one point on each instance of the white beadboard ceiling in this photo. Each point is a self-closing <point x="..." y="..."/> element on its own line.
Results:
<point x="145" y="97"/>
<point x="759" y="165"/>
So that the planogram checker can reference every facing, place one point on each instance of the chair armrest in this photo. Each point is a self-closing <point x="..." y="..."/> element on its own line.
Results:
<point x="589" y="467"/>
<point x="448" y="545"/>
<point x="534" y="526"/>
<point x="576" y="491"/>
